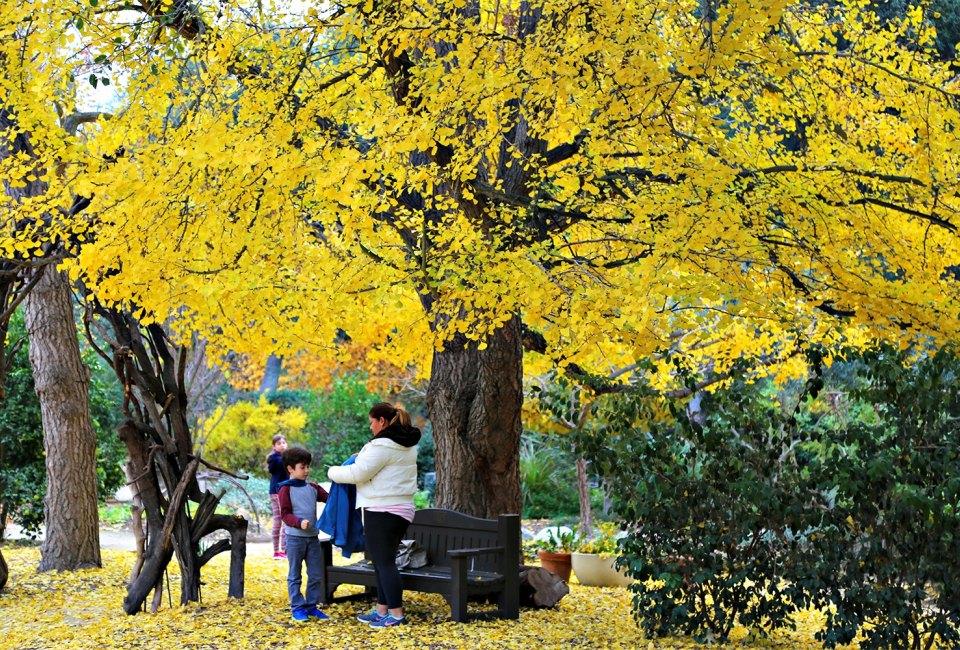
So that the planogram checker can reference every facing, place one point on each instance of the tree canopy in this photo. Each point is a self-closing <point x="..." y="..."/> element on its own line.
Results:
<point x="629" y="176"/>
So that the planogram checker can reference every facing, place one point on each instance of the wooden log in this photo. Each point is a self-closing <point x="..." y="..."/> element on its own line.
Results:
<point x="541" y="588"/>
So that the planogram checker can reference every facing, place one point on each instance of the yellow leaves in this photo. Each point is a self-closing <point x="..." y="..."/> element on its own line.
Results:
<point x="82" y="610"/>
<point x="268" y="190"/>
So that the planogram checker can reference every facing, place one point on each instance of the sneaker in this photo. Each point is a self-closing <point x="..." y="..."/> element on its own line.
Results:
<point x="389" y="621"/>
<point x="280" y="556"/>
<point x="313" y="612"/>
<point x="300" y="615"/>
<point x="372" y="617"/>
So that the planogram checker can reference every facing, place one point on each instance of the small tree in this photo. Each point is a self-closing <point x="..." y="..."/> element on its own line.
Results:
<point x="709" y="495"/>
<point x="162" y="466"/>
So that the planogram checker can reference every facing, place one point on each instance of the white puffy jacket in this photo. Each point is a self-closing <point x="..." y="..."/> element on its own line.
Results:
<point x="384" y="472"/>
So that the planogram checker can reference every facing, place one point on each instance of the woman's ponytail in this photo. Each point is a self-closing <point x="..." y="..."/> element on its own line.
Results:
<point x="392" y="414"/>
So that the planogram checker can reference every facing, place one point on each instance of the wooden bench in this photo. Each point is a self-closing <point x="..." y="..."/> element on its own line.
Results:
<point x="467" y="557"/>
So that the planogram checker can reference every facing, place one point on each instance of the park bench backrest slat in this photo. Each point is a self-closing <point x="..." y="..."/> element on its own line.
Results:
<point x="441" y="530"/>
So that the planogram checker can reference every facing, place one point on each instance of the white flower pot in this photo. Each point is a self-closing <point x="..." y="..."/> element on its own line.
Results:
<point x="598" y="570"/>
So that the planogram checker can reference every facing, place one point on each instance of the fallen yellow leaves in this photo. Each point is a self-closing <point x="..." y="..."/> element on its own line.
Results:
<point x="82" y="610"/>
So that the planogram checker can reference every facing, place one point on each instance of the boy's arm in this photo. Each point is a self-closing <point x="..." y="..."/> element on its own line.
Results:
<point x="321" y="493"/>
<point x="286" y="508"/>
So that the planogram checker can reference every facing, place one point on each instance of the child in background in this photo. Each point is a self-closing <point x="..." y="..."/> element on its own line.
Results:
<point x="298" y="509"/>
<point x="278" y="474"/>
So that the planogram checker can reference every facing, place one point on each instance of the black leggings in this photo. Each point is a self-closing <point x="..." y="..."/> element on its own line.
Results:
<point x="383" y="532"/>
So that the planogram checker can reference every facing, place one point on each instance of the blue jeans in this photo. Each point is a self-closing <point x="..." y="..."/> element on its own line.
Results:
<point x="300" y="550"/>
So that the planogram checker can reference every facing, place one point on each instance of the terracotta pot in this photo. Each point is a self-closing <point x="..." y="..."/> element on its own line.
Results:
<point x="598" y="570"/>
<point x="558" y="563"/>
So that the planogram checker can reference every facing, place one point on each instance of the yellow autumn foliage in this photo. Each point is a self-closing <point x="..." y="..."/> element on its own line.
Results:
<point x="625" y="176"/>
<point x="81" y="611"/>
<point x="239" y="436"/>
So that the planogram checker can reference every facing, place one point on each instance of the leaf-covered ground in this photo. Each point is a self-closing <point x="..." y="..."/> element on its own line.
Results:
<point x="83" y="610"/>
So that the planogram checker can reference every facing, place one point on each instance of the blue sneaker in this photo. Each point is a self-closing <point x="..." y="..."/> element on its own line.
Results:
<point x="313" y="612"/>
<point x="371" y="617"/>
<point x="389" y="621"/>
<point x="300" y="615"/>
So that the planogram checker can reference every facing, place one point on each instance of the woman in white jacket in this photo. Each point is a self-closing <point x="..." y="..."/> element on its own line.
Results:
<point x="385" y="473"/>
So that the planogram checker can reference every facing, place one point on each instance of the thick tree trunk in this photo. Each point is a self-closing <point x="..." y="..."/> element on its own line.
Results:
<point x="475" y="397"/>
<point x="61" y="381"/>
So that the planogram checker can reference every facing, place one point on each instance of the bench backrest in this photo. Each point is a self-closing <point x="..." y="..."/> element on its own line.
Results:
<point x="439" y="530"/>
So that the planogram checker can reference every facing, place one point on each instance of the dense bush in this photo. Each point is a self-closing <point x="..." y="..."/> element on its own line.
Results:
<point x="710" y="497"/>
<point x="340" y="425"/>
<point x="885" y="557"/>
<point x="742" y="510"/>
<point x="23" y="482"/>
<point x="238" y="436"/>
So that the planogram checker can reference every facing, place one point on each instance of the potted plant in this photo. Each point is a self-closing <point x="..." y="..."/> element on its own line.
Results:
<point x="595" y="559"/>
<point x="554" y="549"/>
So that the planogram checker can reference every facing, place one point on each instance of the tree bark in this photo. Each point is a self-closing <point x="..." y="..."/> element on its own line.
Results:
<point x="271" y="374"/>
<point x="61" y="381"/>
<point x="162" y="467"/>
<point x="475" y="398"/>
<point x="583" y="495"/>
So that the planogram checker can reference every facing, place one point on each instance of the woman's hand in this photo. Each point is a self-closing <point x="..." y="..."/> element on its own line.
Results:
<point x="304" y="524"/>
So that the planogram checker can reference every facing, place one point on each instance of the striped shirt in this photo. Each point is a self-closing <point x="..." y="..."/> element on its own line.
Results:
<point x="404" y="510"/>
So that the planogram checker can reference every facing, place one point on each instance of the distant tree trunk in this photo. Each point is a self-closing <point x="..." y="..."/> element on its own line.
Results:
<point x="583" y="494"/>
<point x="4" y="572"/>
<point x="61" y="381"/>
<point x="271" y="374"/>
<point x="475" y="397"/>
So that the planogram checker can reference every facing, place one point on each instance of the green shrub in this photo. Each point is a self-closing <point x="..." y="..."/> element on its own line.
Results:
<point x="422" y="500"/>
<point x="884" y="558"/>
<point x="238" y="436"/>
<point x="709" y="500"/>
<point x="741" y="512"/>
<point x="341" y="426"/>
<point x="548" y="478"/>
<point x="114" y="514"/>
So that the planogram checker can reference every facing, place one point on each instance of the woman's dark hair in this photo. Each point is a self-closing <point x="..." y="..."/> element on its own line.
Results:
<point x="295" y="455"/>
<point x="392" y="414"/>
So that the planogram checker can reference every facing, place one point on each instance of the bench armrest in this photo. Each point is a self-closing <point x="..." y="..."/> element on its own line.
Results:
<point x="467" y="552"/>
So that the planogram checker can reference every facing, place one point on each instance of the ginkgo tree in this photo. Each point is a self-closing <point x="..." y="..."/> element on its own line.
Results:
<point x="456" y="181"/>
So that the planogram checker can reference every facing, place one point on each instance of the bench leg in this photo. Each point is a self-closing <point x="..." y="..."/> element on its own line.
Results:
<point x="509" y="600"/>
<point x="458" y="589"/>
<point x="326" y="589"/>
